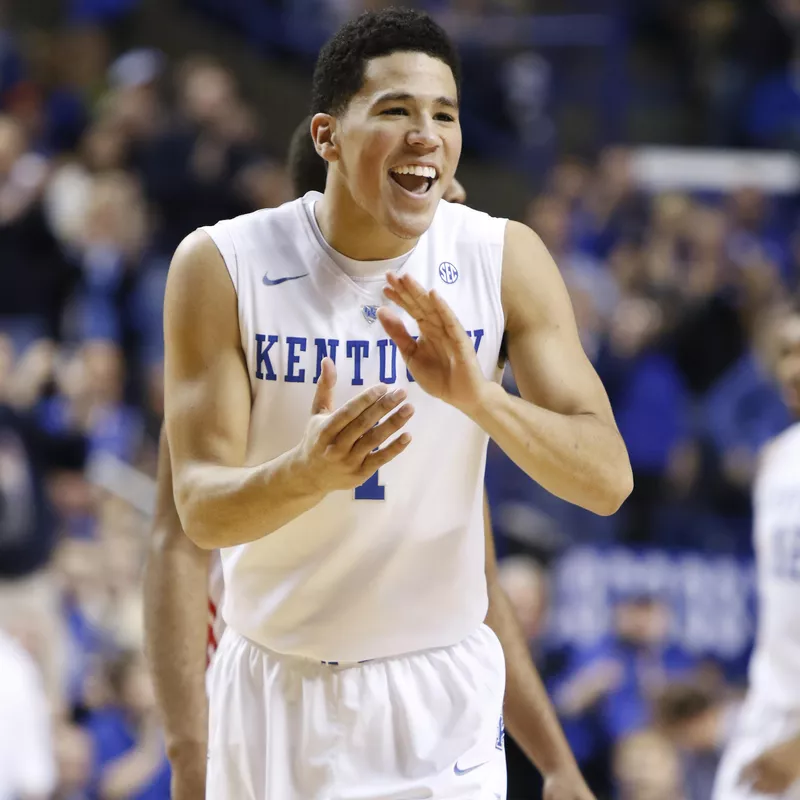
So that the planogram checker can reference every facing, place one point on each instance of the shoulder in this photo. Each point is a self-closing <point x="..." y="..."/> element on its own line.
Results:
<point x="522" y="244"/>
<point x="532" y="287"/>
<point x="199" y="286"/>
<point x="286" y="216"/>
<point x="469" y="224"/>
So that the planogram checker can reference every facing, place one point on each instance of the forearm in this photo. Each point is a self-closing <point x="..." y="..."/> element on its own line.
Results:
<point x="579" y="458"/>
<point x="528" y="712"/>
<point x="226" y="506"/>
<point x="176" y="629"/>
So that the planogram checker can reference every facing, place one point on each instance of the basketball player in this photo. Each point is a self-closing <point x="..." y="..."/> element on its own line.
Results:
<point x="355" y="662"/>
<point x="184" y="587"/>
<point x="763" y="756"/>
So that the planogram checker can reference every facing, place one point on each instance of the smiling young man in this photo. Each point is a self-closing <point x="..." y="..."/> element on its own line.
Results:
<point x="356" y="662"/>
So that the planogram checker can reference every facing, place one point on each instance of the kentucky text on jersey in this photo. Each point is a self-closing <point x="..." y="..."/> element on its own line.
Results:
<point x="295" y="358"/>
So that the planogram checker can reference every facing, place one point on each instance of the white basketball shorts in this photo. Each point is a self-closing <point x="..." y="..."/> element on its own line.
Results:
<point x="423" y="725"/>
<point x="758" y="728"/>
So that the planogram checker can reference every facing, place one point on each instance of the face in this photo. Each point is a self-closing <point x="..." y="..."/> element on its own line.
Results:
<point x="404" y="120"/>
<point x="787" y="360"/>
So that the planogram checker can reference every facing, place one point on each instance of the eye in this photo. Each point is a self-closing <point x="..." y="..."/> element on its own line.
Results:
<point x="442" y="117"/>
<point x="398" y="111"/>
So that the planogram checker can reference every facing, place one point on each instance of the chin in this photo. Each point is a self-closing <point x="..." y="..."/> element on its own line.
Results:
<point x="410" y="226"/>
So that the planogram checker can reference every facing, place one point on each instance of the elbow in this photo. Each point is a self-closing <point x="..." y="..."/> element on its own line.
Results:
<point x="617" y="488"/>
<point x="194" y="518"/>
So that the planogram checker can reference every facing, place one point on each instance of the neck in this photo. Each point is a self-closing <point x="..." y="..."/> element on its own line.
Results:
<point x="351" y="231"/>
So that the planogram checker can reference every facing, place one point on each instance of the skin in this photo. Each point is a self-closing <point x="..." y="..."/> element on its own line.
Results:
<point x="364" y="214"/>
<point x="775" y="770"/>
<point x="561" y="432"/>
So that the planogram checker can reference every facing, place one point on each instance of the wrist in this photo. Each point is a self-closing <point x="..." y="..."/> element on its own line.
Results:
<point x="300" y="481"/>
<point x="485" y="402"/>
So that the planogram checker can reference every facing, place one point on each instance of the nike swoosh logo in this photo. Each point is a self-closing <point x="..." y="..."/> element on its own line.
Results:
<point x="468" y="769"/>
<point x="267" y="281"/>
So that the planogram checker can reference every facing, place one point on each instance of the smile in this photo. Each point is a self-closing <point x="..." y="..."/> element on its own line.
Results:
<point x="415" y="179"/>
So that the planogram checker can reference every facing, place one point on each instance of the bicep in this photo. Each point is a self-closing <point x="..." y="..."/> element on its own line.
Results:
<point x="207" y="391"/>
<point x="544" y="349"/>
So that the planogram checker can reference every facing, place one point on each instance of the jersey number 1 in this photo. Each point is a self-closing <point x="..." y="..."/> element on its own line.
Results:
<point x="370" y="489"/>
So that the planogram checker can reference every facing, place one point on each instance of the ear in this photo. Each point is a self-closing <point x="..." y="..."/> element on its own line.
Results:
<point x="323" y="127"/>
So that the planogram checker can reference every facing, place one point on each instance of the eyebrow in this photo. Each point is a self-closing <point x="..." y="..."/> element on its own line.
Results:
<point x="389" y="97"/>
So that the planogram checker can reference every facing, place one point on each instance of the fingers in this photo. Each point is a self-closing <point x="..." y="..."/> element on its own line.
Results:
<point x="351" y="410"/>
<point x="380" y="433"/>
<point x="410" y="295"/>
<point x="323" y="397"/>
<point x="397" y="332"/>
<point x="430" y="310"/>
<point x="367" y="419"/>
<point x="374" y="461"/>
<point x="450" y="321"/>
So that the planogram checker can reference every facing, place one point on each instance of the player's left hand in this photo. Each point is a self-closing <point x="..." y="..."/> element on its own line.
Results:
<point x="442" y="360"/>
<point x="774" y="771"/>
<point x="568" y="785"/>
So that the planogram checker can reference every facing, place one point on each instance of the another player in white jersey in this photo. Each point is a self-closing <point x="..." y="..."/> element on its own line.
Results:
<point x="763" y="757"/>
<point x="355" y="662"/>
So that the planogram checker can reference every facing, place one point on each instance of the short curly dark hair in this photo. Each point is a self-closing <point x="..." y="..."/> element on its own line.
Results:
<point x="307" y="169"/>
<point x="339" y="72"/>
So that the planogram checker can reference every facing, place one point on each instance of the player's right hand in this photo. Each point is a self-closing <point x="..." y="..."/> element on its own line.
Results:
<point x="341" y="448"/>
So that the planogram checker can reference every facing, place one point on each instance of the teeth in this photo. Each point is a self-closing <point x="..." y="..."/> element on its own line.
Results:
<point x="420" y="172"/>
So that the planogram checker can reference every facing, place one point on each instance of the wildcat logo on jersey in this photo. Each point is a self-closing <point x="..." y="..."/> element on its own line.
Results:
<point x="370" y="313"/>
<point x="295" y="359"/>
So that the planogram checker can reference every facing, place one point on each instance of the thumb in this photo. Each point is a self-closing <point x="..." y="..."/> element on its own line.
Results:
<point x="323" y="397"/>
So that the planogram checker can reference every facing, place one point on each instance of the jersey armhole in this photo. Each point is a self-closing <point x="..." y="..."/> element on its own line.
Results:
<point x="220" y="235"/>
<point x="497" y="249"/>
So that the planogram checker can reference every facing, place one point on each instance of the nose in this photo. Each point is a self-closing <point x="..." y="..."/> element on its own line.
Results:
<point x="423" y="134"/>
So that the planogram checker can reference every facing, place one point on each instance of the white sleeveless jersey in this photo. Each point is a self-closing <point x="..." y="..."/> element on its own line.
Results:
<point x="775" y="665"/>
<point x="396" y="565"/>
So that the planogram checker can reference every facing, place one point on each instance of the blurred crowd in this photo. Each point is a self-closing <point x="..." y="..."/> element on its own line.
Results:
<point x="107" y="159"/>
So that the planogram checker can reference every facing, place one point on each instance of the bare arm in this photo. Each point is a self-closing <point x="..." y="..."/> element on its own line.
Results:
<point x="528" y="712"/>
<point x="561" y="431"/>
<point x="220" y="500"/>
<point x="176" y="629"/>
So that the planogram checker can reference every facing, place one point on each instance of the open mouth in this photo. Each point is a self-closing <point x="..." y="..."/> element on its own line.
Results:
<point x="415" y="179"/>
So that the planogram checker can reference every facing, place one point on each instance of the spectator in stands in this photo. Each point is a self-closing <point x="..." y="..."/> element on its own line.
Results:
<point x="651" y="404"/>
<point x="698" y="721"/>
<point x="34" y="276"/>
<point x="646" y="767"/>
<point x="29" y="599"/>
<point x="130" y="759"/>
<point x="607" y="690"/>
<point x="73" y="751"/>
